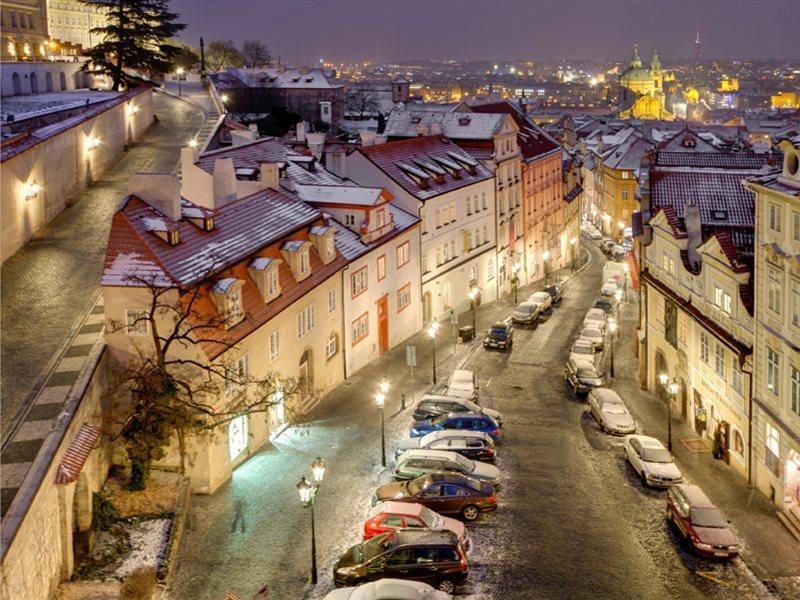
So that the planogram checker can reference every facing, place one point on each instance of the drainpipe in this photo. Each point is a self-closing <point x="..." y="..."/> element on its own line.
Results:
<point x="344" y="325"/>
<point x="749" y="427"/>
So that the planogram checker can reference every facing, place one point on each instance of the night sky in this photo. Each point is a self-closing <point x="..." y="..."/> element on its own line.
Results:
<point x="385" y="30"/>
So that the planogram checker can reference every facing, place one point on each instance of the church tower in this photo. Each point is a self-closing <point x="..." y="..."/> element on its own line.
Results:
<point x="636" y="62"/>
<point x="655" y="69"/>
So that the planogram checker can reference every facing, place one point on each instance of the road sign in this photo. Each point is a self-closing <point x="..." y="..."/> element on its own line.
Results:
<point x="411" y="356"/>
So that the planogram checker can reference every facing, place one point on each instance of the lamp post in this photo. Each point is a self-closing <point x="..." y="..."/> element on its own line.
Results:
<point x="545" y="258"/>
<point x="515" y="268"/>
<point x="473" y="295"/>
<point x="432" y="329"/>
<point x="621" y="225"/>
<point x="179" y="72"/>
<point x="626" y="269"/>
<point x="612" y="328"/>
<point x="380" y="400"/>
<point x="308" y="494"/>
<point x="671" y="390"/>
<point x="617" y="297"/>
<point x="574" y="243"/>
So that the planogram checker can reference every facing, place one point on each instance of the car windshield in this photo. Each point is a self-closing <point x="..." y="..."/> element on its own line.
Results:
<point x="526" y="308"/>
<point x="540" y="296"/>
<point x="465" y="463"/>
<point x="708" y="517"/>
<point x="415" y="486"/>
<point x="376" y="546"/>
<point x="656" y="455"/>
<point x="498" y="332"/>
<point x="440" y="420"/>
<point x="582" y="349"/>
<point x="472" y="406"/>
<point x="614" y="409"/>
<point x="588" y="373"/>
<point x="428" y="516"/>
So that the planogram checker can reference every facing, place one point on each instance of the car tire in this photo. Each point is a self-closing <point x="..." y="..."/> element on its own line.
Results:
<point x="447" y="586"/>
<point x="644" y="478"/>
<point x="470" y="512"/>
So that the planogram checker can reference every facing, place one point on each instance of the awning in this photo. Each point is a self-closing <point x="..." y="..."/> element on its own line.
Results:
<point x="77" y="454"/>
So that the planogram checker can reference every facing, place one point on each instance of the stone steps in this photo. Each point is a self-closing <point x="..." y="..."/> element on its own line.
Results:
<point x="791" y="521"/>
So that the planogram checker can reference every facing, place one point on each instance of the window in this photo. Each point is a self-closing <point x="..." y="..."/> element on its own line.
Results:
<point x="424" y="263"/>
<point x="719" y="360"/>
<point x="490" y="270"/>
<point x="704" y="346"/>
<point x="136" y="321"/>
<point x="775" y="217"/>
<point x="438" y="218"/>
<point x="624" y="194"/>
<point x="452" y="212"/>
<point x="446" y="252"/>
<point x="236" y="375"/>
<point x="484" y="204"/>
<point x="237" y="436"/>
<point x="485" y="234"/>
<point x="360" y="328"/>
<point x="274" y="345"/>
<point x="772" y="449"/>
<point x="726" y="302"/>
<point x="773" y="371"/>
<point x="233" y="306"/>
<point x="403" y="297"/>
<point x="796" y="226"/>
<point x="381" y="267"/>
<point x="625" y="175"/>
<point x="331" y="346"/>
<point x="774" y="285"/>
<point x="305" y="263"/>
<point x="447" y="294"/>
<point x="380" y="218"/>
<point x="424" y="223"/>
<point x="438" y="256"/>
<point x="671" y="323"/>
<point x="453" y="248"/>
<point x="403" y="254"/>
<point x="469" y="205"/>
<point x="272" y="282"/>
<point x="359" y="281"/>
<point x="737" y="381"/>
<point x="349" y="219"/>
<point x="794" y="390"/>
<point x="305" y="321"/>
<point x="331" y="300"/>
<point x="795" y="303"/>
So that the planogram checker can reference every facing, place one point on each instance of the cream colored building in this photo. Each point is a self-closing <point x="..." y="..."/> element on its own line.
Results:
<point x="777" y="331"/>
<point x="69" y="24"/>
<point x="24" y="30"/>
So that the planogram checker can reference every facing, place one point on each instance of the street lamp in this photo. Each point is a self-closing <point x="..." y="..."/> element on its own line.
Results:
<point x="380" y="400"/>
<point x="318" y="470"/>
<point x="671" y="389"/>
<point x="573" y="242"/>
<point x="179" y="71"/>
<point x="545" y="258"/>
<point x="515" y="268"/>
<point x="432" y="329"/>
<point x="612" y="328"/>
<point x="626" y="268"/>
<point x="617" y="297"/>
<point x="308" y="493"/>
<point x="473" y="295"/>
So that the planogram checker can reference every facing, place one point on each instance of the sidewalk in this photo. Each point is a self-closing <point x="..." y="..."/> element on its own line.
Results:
<point x="768" y="548"/>
<point x="196" y="94"/>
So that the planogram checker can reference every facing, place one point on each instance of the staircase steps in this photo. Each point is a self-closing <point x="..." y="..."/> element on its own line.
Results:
<point x="791" y="520"/>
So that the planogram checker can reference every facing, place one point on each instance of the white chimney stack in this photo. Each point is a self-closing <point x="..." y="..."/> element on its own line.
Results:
<point x="368" y="138"/>
<point x="162" y="191"/>
<point x="436" y="128"/>
<point x="301" y="131"/>
<point x="316" y="142"/>
<point x="224" y="182"/>
<point x="270" y="175"/>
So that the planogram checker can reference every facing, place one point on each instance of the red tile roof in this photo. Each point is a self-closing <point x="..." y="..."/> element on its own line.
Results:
<point x="532" y="139"/>
<point x="77" y="454"/>
<point x="426" y="149"/>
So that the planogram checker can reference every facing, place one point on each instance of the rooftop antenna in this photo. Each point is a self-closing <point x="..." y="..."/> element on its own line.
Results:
<point x="698" y="45"/>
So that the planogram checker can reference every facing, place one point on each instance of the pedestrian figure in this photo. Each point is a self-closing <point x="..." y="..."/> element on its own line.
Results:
<point x="238" y="516"/>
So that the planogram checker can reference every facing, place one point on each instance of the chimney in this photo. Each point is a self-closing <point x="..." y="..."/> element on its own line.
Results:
<point x="422" y="129"/>
<point x="270" y="176"/>
<point x="380" y="139"/>
<point x="189" y="156"/>
<point x="302" y="129"/>
<point x="316" y="142"/>
<point x="691" y="219"/>
<point x="224" y="182"/>
<point x="436" y="128"/>
<point x="162" y="191"/>
<point x="367" y="138"/>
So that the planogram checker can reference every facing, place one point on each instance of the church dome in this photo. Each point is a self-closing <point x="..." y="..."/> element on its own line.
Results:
<point x="632" y="74"/>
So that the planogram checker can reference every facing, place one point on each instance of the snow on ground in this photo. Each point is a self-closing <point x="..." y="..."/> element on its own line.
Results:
<point x="30" y="105"/>
<point x="149" y="541"/>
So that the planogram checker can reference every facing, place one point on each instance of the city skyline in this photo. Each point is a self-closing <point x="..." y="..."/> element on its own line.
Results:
<point x="448" y="30"/>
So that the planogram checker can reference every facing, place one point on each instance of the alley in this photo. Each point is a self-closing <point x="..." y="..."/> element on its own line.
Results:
<point x="51" y="282"/>
<point x="572" y="519"/>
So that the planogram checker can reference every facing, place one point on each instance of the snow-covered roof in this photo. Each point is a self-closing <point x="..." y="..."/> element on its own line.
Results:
<point x="262" y="263"/>
<point x="342" y="194"/>
<point x="223" y="285"/>
<point x="457" y="126"/>
<point x="294" y="245"/>
<point x="291" y="78"/>
<point x="349" y="242"/>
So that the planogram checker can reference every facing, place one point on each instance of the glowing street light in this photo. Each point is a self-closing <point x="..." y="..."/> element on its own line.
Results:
<point x="515" y="268"/>
<point x="671" y="390"/>
<point x="318" y="470"/>
<point x="432" y="329"/>
<point x="193" y="143"/>
<point x="473" y="295"/>
<point x="92" y="142"/>
<point x="33" y="190"/>
<point x="308" y="495"/>
<point x="545" y="258"/>
<point x="179" y="71"/>
<point x="380" y="401"/>
<point x="612" y="329"/>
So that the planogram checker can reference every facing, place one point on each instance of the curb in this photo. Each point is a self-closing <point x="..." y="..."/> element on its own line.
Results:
<point x="175" y="536"/>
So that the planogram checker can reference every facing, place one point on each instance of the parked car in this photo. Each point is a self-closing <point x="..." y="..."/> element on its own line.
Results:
<point x="594" y="335"/>
<point x="594" y="234"/>
<point x="618" y="253"/>
<point x="444" y="493"/>
<point x="582" y="376"/>
<point x="582" y="350"/>
<point x="433" y="557"/>
<point x="627" y="244"/>
<point x="610" y="412"/>
<point x="474" y="445"/>
<point x="555" y="292"/>
<point x="543" y="299"/>
<point x="605" y="304"/>
<point x="432" y="406"/>
<point x="389" y="516"/>
<point x="526" y="313"/>
<point x="416" y="463"/>
<point x="463" y="384"/>
<point x="652" y="461"/>
<point x="595" y="317"/>
<point x="610" y="287"/>
<point x="700" y="522"/>
<point x="465" y="421"/>
<point x="389" y="589"/>
<point x="499" y="335"/>
<point x="606" y="245"/>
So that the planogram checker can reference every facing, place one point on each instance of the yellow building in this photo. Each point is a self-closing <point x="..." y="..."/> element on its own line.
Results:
<point x="620" y="169"/>
<point x="69" y="23"/>
<point x="785" y="100"/>
<point x="24" y="30"/>
<point x="728" y="84"/>
<point x="643" y="90"/>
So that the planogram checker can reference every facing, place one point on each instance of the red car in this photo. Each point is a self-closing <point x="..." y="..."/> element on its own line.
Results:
<point x="700" y="522"/>
<point x="389" y="516"/>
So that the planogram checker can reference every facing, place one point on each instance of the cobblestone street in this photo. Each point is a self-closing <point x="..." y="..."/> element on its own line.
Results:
<point x="49" y="284"/>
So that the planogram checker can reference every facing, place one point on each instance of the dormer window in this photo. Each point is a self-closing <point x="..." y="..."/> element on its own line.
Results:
<point x="265" y="273"/>
<point x="298" y="257"/>
<point x="305" y="263"/>
<point x="380" y="218"/>
<point x="322" y="237"/>
<point x="227" y="295"/>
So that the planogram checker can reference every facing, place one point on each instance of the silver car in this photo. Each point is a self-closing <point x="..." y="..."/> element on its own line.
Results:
<point x="593" y="335"/>
<point x="610" y="412"/>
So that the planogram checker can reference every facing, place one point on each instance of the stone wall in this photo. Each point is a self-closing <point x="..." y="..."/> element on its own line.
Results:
<point x="63" y="165"/>
<point x="38" y="549"/>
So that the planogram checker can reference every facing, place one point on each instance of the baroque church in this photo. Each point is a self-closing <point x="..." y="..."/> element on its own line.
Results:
<point x="642" y="94"/>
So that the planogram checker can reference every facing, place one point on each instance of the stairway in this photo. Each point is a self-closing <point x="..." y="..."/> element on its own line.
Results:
<point x="790" y="517"/>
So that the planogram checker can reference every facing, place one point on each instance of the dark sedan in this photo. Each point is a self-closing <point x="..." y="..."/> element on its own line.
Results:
<point x="500" y="335"/>
<point x="555" y="292"/>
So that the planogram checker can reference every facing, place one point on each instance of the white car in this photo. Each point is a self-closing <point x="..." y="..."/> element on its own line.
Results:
<point x="610" y="412"/>
<point x="594" y="335"/>
<point x="416" y="463"/>
<point x="435" y="438"/>
<point x="462" y="384"/>
<point x="582" y="350"/>
<point x="389" y="589"/>
<point x="543" y="299"/>
<point x="652" y="461"/>
<point x="594" y="234"/>
<point x="610" y="286"/>
<point x="595" y="317"/>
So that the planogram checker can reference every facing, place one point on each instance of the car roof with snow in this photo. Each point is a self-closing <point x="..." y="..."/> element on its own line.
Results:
<point x="607" y="396"/>
<point x="648" y="442"/>
<point x="426" y="453"/>
<point x="444" y="434"/>
<point x="398" y="508"/>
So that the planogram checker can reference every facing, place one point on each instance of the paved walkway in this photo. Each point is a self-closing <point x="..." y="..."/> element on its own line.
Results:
<point x="196" y="94"/>
<point x="52" y="283"/>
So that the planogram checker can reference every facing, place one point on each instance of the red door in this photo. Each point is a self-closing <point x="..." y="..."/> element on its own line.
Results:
<point x="383" y="324"/>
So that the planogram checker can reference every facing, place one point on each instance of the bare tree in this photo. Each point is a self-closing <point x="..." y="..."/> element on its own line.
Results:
<point x="221" y="55"/>
<point x="361" y="103"/>
<point x="169" y="391"/>
<point x="255" y="54"/>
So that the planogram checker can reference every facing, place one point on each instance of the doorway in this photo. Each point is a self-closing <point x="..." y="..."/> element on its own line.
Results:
<point x="427" y="308"/>
<point x="306" y="374"/>
<point x="383" y="324"/>
<point x="277" y="411"/>
<point x="684" y="399"/>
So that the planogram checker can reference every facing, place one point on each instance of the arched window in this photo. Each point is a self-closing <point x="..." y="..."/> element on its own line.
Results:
<point x="15" y="80"/>
<point x="237" y="436"/>
<point x="62" y="78"/>
<point x="738" y="442"/>
<point x="332" y="345"/>
<point x="48" y="81"/>
<point x="34" y="83"/>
